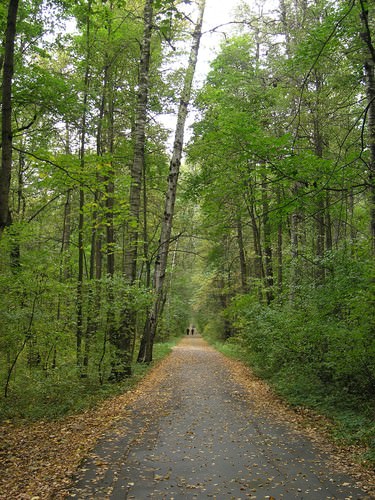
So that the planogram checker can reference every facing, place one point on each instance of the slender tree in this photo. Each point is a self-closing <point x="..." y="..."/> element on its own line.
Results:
<point x="81" y="220"/>
<point x="146" y="348"/>
<point x="137" y="167"/>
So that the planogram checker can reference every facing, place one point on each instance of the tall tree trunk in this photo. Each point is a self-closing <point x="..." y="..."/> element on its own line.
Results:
<point x="110" y="191"/>
<point x="291" y="19"/>
<point x="145" y="352"/>
<point x="369" y="66"/>
<point x="15" y="248"/>
<point x="242" y="256"/>
<point x="320" y="219"/>
<point x="121" y="361"/>
<point x="258" y="269"/>
<point x="279" y="248"/>
<point x="64" y="273"/>
<point x="129" y="317"/>
<point x="79" y="329"/>
<point x="137" y="167"/>
<point x="146" y="246"/>
<point x="328" y="225"/>
<point x="267" y="244"/>
<point x="295" y="246"/>
<point x="67" y="229"/>
<point x="80" y="322"/>
<point x="6" y="116"/>
<point x="95" y="274"/>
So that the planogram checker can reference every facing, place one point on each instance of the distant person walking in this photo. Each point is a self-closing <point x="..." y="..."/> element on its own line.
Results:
<point x="187" y="331"/>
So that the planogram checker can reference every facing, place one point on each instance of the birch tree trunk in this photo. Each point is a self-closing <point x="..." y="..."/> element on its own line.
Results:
<point x="146" y="348"/>
<point x="139" y="145"/>
<point x="127" y="332"/>
<point x="6" y="116"/>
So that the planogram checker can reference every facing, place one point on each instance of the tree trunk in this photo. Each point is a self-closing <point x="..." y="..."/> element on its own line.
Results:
<point x="63" y="272"/>
<point x="15" y="249"/>
<point x="79" y="329"/>
<point x="6" y="116"/>
<point x="279" y="249"/>
<point x="129" y="317"/>
<point x="121" y="360"/>
<point x="242" y="256"/>
<point x="95" y="274"/>
<point x="258" y="259"/>
<point x="295" y="246"/>
<point x="369" y="66"/>
<point x="328" y="225"/>
<point x="66" y="233"/>
<point x="267" y="245"/>
<point x="145" y="353"/>
<point x="146" y="245"/>
<point x="320" y="219"/>
<point x="137" y="167"/>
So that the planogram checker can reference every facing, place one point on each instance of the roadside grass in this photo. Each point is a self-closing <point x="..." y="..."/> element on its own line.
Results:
<point x="37" y="396"/>
<point x="351" y="419"/>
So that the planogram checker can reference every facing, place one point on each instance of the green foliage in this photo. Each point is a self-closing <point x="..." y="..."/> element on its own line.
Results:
<point x="328" y="330"/>
<point x="45" y="395"/>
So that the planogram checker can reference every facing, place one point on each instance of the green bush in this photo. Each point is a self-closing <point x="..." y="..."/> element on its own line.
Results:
<point x="318" y="351"/>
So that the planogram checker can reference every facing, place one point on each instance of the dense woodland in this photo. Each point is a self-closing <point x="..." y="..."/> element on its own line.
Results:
<point x="264" y="239"/>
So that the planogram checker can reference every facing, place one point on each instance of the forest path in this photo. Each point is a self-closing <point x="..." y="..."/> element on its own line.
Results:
<point x="206" y="428"/>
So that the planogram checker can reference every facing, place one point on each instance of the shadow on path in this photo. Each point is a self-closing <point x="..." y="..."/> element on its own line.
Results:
<point x="199" y="433"/>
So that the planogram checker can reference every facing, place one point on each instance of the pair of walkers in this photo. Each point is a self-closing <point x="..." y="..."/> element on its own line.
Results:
<point x="190" y="330"/>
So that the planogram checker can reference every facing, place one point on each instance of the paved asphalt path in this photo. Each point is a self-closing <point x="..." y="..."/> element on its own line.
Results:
<point x="198" y="434"/>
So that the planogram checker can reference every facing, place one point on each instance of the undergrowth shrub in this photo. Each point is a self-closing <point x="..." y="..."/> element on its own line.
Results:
<point x="318" y="351"/>
<point x="37" y="394"/>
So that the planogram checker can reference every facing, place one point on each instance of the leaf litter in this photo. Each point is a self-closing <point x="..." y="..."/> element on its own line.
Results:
<point x="38" y="461"/>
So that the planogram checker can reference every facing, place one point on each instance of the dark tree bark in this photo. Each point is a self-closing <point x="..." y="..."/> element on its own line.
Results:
<point x="81" y="220"/>
<point x="95" y="274"/>
<point x="296" y="245"/>
<point x="369" y="66"/>
<point x="258" y="269"/>
<point x="267" y="245"/>
<point x="79" y="330"/>
<point x="328" y="225"/>
<point x="279" y="248"/>
<point x="320" y="215"/>
<point x="67" y="232"/>
<point x="64" y="272"/>
<point x="6" y="116"/>
<point x="242" y="256"/>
